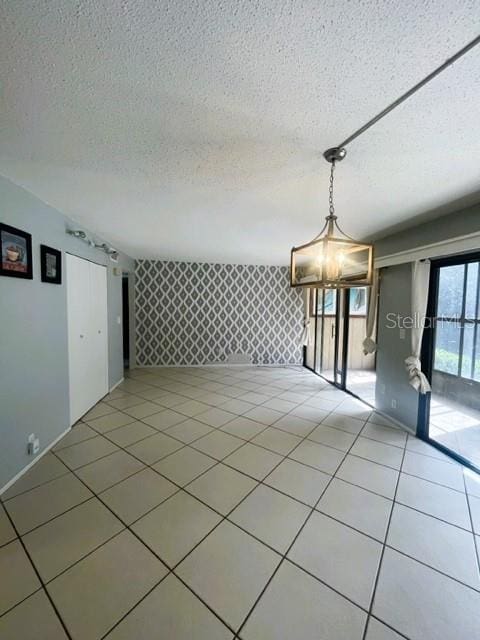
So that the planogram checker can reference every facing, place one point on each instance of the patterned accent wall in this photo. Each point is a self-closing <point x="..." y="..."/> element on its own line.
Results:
<point x="196" y="313"/>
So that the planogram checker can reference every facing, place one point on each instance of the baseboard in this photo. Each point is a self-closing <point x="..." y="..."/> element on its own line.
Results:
<point x="34" y="461"/>
<point x="214" y="364"/>
<point x="395" y="421"/>
<point x="382" y="413"/>
<point x="116" y="385"/>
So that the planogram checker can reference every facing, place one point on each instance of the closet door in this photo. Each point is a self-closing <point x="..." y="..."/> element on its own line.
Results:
<point x="98" y="331"/>
<point x="79" y="321"/>
<point x="87" y="334"/>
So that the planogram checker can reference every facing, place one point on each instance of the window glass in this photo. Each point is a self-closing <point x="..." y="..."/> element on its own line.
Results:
<point x="358" y="301"/>
<point x="450" y="291"/>
<point x="471" y="291"/>
<point x="447" y="347"/>
<point x="476" y="374"/>
<point x="330" y="301"/>
<point x="468" y="337"/>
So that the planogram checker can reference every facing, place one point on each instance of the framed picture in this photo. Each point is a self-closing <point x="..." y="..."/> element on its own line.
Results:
<point x="16" y="252"/>
<point x="51" y="265"/>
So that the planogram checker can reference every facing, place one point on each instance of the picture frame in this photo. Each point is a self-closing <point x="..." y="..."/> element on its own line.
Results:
<point x="50" y="265"/>
<point x="15" y="253"/>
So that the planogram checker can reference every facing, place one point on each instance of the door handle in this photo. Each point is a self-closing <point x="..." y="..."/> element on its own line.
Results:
<point x="333" y="330"/>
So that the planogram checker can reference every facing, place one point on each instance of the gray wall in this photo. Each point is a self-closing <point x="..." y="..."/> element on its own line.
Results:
<point x="392" y="379"/>
<point x="195" y="313"/>
<point x="33" y="333"/>
<point x="395" y="290"/>
<point x="462" y="222"/>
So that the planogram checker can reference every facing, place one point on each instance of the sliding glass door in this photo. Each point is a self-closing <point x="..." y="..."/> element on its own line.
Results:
<point x="338" y="320"/>
<point x="361" y="376"/>
<point x="309" y="353"/>
<point x="326" y="333"/>
<point x="452" y="355"/>
<point x="329" y="335"/>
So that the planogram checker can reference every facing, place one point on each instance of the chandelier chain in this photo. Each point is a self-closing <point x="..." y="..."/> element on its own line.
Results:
<point x="331" y="207"/>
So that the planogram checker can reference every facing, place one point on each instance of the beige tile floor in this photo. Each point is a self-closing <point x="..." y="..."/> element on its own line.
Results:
<point x="456" y="427"/>
<point x="453" y="425"/>
<point x="253" y="503"/>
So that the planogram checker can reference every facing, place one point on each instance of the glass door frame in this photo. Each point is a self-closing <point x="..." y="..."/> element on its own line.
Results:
<point x="428" y="351"/>
<point x="342" y="323"/>
<point x="340" y="350"/>
<point x="342" y="382"/>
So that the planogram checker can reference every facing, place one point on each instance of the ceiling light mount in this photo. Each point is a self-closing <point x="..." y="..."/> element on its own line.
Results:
<point x="335" y="154"/>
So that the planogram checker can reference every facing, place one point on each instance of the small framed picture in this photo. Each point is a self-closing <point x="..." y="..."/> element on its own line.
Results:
<point x="16" y="252"/>
<point x="51" y="264"/>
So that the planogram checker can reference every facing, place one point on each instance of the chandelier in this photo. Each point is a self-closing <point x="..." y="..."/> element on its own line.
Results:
<point x="332" y="260"/>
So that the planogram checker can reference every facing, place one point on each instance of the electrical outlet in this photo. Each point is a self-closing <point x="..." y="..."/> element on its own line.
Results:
<point x="394" y="403"/>
<point x="33" y="445"/>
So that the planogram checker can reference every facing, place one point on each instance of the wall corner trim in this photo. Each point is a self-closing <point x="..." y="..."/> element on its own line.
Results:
<point x="116" y="385"/>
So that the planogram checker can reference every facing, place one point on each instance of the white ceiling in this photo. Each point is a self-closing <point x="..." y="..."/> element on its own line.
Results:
<point x="193" y="129"/>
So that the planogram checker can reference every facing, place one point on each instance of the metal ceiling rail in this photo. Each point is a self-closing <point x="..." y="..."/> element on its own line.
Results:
<point x="411" y="91"/>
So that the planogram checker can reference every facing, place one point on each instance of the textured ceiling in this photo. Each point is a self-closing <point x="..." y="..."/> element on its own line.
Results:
<point x="193" y="129"/>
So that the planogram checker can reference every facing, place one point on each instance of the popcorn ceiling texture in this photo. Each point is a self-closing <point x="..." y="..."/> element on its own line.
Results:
<point x="198" y="313"/>
<point x="193" y="129"/>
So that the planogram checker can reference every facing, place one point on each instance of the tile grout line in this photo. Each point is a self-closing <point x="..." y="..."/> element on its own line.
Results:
<point x="284" y="457"/>
<point x="226" y="517"/>
<point x="37" y="486"/>
<point x="39" y="578"/>
<point x="475" y="544"/>
<point x="222" y="520"/>
<point x="364" y="424"/>
<point x="262" y="482"/>
<point x="223" y="462"/>
<point x="384" y="545"/>
<point x="284" y="556"/>
<point x="386" y="624"/>
<point x="104" y="434"/>
<point x="195" y="497"/>
<point x="128" y="527"/>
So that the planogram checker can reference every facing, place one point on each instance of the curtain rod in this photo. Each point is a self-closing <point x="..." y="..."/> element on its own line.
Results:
<point x="410" y="92"/>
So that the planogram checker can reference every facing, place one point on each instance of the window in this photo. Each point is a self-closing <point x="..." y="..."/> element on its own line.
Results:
<point x="324" y="303"/>
<point x="457" y="343"/>
<point x="330" y="302"/>
<point x="358" y="301"/>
